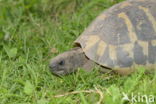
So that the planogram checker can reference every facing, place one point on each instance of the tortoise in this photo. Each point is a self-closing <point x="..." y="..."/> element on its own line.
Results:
<point x="120" y="39"/>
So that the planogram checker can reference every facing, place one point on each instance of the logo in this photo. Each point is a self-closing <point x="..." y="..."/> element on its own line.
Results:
<point x="136" y="98"/>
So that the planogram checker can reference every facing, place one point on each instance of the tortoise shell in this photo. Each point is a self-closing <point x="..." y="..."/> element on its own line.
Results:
<point x="122" y="36"/>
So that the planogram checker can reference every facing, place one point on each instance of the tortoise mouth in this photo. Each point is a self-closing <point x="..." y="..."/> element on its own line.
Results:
<point x="54" y="70"/>
<point x="58" y="73"/>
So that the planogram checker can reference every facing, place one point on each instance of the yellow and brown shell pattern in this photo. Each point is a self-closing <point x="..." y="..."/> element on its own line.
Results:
<point x="122" y="36"/>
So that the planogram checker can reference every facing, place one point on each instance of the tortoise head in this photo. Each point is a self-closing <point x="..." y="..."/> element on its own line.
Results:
<point x="67" y="62"/>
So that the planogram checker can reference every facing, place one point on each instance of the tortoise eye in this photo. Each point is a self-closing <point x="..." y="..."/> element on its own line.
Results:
<point x="62" y="62"/>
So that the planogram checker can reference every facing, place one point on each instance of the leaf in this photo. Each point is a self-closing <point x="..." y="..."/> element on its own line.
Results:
<point x="54" y="50"/>
<point x="28" y="88"/>
<point x="113" y="95"/>
<point x="11" y="52"/>
<point x="42" y="101"/>
<point x="83" y="99"/>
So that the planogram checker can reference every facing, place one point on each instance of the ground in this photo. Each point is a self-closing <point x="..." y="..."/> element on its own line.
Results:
<point x="33" y="31"/>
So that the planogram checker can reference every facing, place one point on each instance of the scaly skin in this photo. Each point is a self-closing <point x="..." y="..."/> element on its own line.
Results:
<point x="68" y="62"/>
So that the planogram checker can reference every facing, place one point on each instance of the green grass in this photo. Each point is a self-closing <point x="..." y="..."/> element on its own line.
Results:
<point x="30" y="30"/>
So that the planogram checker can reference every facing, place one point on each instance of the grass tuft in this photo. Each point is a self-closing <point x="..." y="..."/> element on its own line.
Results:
<point x="32" y="32"/>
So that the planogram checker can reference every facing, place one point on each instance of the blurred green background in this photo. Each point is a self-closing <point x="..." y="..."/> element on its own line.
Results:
<point x="32" y="32"/>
